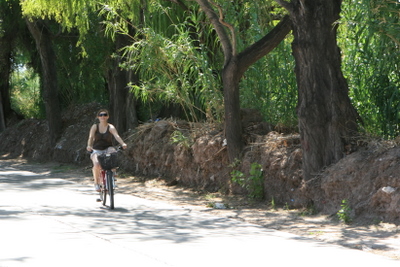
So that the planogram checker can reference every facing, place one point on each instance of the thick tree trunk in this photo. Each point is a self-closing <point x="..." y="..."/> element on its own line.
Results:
<point x="2" y="117"/>
<point x="122" y="102"/>
<point x="6" y="42"/>
<point x="48" y="60"/>
<point x="132" y="120"/>
<point x="327" y="120"/>
<point x="10" y="16"/>
<point x="5" y="70"/>
<point x="5" y="67"/>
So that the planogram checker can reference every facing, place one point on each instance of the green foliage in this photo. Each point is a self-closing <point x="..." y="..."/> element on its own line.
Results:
<point x="25" y="93"/>
<point x="270" y="86"/>
<point x="64" y="12"/>
<point x="177" y="56"/>
<point x="172" y="65"/>
<point x="175" y="70"/>
<point x="256" y="179"/>
<point x="80" y="48"/>
<point x="177" y="137"/>
<point x="370" y="38"/>
<point x="254" y="183"/>
<point x="273" y="205"/>
<point x="235" y="163"/>
<point x="238" y="177"/>
<point x="81" y="71"/>
<point x="344" y="213"/>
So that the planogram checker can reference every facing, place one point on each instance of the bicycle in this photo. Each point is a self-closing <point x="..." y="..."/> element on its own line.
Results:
<point x="108" y="163"/>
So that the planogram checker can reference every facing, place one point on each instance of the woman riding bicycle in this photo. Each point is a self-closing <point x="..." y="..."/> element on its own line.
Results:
<point x="100" y="141"/>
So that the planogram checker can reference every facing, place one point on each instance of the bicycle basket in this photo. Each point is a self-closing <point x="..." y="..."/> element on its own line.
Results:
<point x="108" y="161"/>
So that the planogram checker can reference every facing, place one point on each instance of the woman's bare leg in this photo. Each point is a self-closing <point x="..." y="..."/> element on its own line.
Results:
<point x="96" y="169"/>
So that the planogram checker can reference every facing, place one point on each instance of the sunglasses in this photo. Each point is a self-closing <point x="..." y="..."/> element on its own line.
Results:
<point x="103" y="115"/>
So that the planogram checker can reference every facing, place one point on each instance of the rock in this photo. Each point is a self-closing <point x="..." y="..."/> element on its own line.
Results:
<point x="388" y="189"/>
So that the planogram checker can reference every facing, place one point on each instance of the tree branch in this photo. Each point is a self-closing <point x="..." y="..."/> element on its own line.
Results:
<point x="229" y="26"/>
<point x="265" y="45"/>
<point x="219" y="28"/>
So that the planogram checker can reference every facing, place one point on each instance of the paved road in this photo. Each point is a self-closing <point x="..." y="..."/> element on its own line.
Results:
<point x="48" y="221"/>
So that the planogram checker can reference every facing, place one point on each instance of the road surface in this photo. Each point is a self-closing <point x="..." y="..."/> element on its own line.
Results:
<point x="49" y="221"/>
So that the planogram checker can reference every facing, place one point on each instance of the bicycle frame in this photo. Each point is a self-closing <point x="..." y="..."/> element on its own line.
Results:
<point x="107" y="187"/>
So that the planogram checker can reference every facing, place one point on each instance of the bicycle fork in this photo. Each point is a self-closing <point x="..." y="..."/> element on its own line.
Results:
<point x="104" y="175"/>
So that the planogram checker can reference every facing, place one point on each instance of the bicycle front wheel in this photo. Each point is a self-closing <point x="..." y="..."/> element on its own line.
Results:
<point x="103" y="194"/>
<point x="110" y="187"/>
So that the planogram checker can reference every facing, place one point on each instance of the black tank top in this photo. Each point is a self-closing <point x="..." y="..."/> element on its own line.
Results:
<point x="102" y="141"/>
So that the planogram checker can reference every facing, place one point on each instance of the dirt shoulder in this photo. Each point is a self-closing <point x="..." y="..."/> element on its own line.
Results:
<point x="379" y="238"/>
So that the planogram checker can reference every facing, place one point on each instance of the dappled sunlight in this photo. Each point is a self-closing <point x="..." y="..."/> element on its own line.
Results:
<point x="19" y="173"/>
<point x="59" y="211"/>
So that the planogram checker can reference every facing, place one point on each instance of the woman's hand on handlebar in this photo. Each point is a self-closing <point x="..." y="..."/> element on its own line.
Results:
<point x="89" y="148"/>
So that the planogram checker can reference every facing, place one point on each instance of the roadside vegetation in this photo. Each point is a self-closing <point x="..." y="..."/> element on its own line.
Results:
<point x="207" y="62"/>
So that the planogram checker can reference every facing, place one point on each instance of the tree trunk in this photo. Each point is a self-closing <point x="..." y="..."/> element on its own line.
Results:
<point x="231" y="75"/>
<point x="8" y="35"/>
<point x="5" y="67"/>
<point x="2" y="117"/>
<point x="122" y="103"/>
<point x="233" y="123"/>
<point x="327" y="120"/>
<point x="235" y="66"/>
<point x="132" y="120"/>
<point x="48" y="60"/>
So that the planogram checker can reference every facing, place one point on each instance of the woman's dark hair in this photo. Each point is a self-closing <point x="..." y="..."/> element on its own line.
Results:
<point x="102" y="110"/>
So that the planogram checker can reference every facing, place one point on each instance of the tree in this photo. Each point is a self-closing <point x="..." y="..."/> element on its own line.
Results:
<point x="2" y="120"/>
<point x="42" y="37"/>
<point x="9" y="19"/>
<point x="116" y="78"/>
<point x="235" y="65"/>
<point x="327" y="119"/>
<point x="122" y="102"/>
<point x="5" y="68"/>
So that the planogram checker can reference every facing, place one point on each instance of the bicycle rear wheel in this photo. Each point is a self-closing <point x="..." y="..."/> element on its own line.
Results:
<point x="110" y="187"/>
